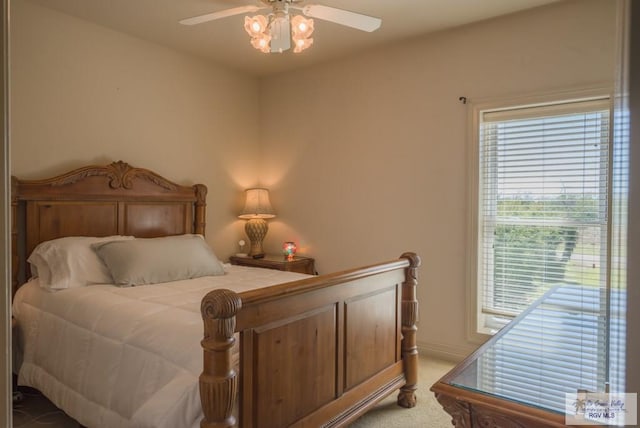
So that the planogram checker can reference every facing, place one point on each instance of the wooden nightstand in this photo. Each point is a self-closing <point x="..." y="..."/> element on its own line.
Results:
<point x="278" y="262"/>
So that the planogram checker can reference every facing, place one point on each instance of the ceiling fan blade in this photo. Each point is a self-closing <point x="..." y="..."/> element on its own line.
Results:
<point x="221" y="14"/>
<point x="343" y="17"/>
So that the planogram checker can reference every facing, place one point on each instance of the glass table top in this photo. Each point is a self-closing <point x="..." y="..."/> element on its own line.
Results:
<point x="560" y="345"/>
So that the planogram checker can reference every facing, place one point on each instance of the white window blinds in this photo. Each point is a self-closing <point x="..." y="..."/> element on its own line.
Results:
<point x="543" y="203"/>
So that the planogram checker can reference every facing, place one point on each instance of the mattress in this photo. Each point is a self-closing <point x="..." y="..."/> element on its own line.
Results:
<point x="123" y="356"/>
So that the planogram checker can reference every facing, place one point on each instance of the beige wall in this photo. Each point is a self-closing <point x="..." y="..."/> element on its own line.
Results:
<point x="84" y="94"/>
<point x="366" y="157"/>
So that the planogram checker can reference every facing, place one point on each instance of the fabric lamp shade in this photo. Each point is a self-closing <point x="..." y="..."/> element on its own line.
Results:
<point x="257" y="204"/>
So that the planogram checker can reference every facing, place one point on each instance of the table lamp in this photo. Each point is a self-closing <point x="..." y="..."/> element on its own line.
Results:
<point x="257" y="208"/>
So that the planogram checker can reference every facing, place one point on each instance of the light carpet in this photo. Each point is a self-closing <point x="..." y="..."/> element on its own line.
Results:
<point x="426" y="414"/>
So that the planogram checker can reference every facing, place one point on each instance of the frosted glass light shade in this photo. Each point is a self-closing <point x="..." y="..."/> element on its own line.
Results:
<point x="302" y="44"/>
<point x="255" y="25"/>
<point x="262" y="43"/>
<point x="301" y="30"/>
<point x="257" y="204"/>
<point x="301" y="27"/>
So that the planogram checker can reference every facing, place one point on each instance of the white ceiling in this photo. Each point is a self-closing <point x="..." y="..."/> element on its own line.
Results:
<point x="225" y="41"/>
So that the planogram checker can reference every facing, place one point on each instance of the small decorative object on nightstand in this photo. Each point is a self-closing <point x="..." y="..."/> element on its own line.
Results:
<point x="241" y="253"/>
<point x="295" y="264"/>
<point x="289" y="249"/>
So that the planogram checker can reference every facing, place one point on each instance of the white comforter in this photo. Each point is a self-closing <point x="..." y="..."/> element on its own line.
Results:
<point x="123" y="357"/>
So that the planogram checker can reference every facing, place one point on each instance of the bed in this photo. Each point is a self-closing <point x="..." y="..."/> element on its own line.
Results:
<point x="251" y="347"/>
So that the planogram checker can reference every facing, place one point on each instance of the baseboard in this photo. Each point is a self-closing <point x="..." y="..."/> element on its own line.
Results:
<point x="454" y="354"/>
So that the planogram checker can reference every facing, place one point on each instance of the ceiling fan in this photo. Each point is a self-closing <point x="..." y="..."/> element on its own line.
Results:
<point x="274" y="32"/>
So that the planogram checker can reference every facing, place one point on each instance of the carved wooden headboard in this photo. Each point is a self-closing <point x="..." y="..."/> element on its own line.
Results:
<point x="115" y="199"/>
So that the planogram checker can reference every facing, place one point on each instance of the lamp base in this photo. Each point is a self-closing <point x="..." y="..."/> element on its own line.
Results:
<point x="256" y="229"/>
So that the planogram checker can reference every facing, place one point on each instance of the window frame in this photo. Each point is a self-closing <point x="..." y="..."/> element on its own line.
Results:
<point x="476" y="108"/>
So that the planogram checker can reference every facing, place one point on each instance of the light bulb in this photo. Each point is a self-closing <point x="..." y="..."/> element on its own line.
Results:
<point x="255" y="25"/>
<point x="301" y="27"/>
<point x="261" y="43"/>
<point x="302" y="44"/>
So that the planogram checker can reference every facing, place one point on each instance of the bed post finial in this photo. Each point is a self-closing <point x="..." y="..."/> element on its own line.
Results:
<point x="407" y="395"/>
<point x="219" y="380"/>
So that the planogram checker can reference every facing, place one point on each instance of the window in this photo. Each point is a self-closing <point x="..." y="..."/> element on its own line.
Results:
<point x="542" y="205"/>
<point x="549" y="217"/>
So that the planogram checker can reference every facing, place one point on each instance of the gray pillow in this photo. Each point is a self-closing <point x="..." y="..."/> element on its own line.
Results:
<point x="154" y="260"/>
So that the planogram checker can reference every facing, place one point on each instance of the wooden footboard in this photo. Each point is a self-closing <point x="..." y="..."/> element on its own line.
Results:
<point x="315" y="352"/>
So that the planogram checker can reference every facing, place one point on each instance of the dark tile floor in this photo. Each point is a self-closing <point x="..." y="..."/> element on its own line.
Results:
<point x="32" y="410"/>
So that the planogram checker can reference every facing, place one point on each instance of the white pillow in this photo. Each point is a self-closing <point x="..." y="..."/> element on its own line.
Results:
<point x="37" y="262"/>
<point x="70" y="262"/>
<point x="155" y="260"/>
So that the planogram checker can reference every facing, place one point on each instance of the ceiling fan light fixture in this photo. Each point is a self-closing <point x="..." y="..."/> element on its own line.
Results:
<point x="275" y="32"/>
<point x="301" y="30"/>
<point x="255" y="26"/>
<point x="262" y="43"/>
<point x="301" y="27"/>
<point x="301" y="44"/>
